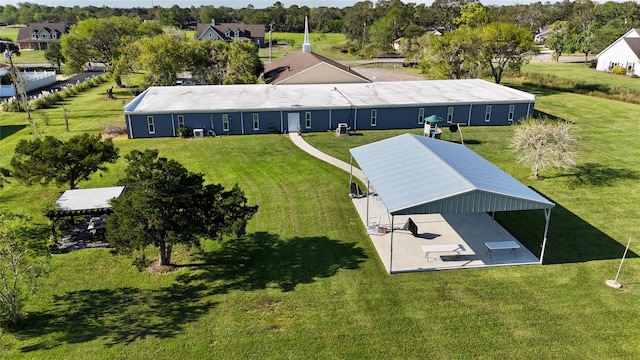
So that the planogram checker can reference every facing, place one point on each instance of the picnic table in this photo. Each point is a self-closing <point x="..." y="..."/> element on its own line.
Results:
<point x="501" y="245"/>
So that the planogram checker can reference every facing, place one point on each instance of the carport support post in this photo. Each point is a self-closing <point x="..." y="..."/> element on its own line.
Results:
<point x="350" y="172"/>
<point x="367" y="212"/>
<point x="547" y="217"/>
<point x="391" y="249"/>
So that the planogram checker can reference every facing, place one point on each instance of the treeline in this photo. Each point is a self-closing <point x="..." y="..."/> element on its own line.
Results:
<point x="407" y="18"/>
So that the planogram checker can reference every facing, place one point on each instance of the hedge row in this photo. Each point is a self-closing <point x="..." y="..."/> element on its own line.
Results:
<point x="47" y="99"/>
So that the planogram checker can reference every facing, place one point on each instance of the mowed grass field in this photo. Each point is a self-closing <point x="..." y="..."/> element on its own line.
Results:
<point x="306" y="281"/>
<point x="332" y="46"/>
<point x="583" y="73"/>
<point x="10" y="33"/>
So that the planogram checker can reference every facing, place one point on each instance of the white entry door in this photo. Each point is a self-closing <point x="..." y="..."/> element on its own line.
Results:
<point x="293" y="122"/>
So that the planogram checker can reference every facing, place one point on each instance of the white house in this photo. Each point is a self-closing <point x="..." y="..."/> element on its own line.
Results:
<point x="625" y="52"/>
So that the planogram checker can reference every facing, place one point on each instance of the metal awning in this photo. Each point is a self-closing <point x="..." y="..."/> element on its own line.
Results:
<point x="420" y="175"/>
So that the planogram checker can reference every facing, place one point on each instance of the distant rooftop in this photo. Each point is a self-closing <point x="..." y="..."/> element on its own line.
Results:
<point x="300" y="61"/>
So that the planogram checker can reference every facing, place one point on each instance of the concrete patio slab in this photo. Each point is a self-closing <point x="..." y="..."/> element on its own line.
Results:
<point x="470" y="230"/>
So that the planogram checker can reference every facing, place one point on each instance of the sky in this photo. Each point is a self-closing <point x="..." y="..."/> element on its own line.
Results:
<point x="236" y="4"/>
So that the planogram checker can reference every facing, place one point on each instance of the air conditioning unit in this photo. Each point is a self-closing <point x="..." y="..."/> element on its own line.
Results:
<point x="342" y="129"/>
<point x="198" y="133"/>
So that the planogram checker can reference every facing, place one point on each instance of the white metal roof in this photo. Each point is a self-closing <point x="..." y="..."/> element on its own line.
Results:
<point x="261" y="97"/>
<point x="88" y="199"/>
<point x="419" y="175"/>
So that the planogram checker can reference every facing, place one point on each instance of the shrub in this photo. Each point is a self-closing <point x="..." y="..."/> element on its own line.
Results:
<point x="184" y="132"/>
<point x="47" y="99"/>
<point x="619" y="70"/>
<point x="114" y="129"/>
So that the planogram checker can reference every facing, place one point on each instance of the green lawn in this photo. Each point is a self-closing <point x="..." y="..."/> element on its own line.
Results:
<point x="30" y="57"/>
<point x="307" y="283"/>
<point x="580" y="72"/>
<point x="332" y="46"/>
<point x="10" y="33"/>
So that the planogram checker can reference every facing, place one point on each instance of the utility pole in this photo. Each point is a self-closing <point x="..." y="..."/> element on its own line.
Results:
<point x="364" y="32"/>
<point x="18" y="85"/>
<point x="270" y="31"/>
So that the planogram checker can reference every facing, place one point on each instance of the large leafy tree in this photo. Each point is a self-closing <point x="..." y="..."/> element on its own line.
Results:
<point x="53" y="54"/>
<point x="455" y="55"/>
<point x="445" y="11"/>
<point x="560" y="39"/>
<point x="162" y="57"/>
<point x="474" y="15"/>
<point x="505" y="46"/>
<point x="103" y="40"/>
<point x="64" y="162"/>
<point x="209" y="62"/>
<point x="165" y="204"/>
<point x="543" y="143"/>
<point x="356" y="19"/>
<point x="243" y="63"/>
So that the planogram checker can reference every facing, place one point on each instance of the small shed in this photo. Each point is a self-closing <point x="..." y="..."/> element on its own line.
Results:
<point x="419" y="175"/>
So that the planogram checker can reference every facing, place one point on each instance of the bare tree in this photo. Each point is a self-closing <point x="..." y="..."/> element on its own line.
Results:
<point x="21" y="263"/>
<point x="65" y="114"/>
<point x="543" y="143"/>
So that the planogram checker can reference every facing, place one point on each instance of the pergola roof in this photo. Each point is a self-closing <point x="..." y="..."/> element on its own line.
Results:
<point x="88" y="201"/>
<point x="419" y="175"/>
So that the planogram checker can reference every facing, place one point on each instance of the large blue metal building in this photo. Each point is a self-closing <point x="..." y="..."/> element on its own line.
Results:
<point x="262" y="109"/>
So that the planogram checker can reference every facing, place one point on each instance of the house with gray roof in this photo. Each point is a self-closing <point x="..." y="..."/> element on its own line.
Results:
<point x="235" y="31"/>
<point x="38" y="36"/>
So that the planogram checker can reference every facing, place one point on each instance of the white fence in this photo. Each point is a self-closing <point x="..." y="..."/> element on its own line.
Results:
<point x="32" y="80"/>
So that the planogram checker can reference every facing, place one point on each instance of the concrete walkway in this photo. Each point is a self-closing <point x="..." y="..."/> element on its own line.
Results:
<point x="299" y="141"/>
<point x="469" y="231"/>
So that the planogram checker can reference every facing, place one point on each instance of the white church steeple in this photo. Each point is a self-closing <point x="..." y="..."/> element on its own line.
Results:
<point x="306" y="46"/>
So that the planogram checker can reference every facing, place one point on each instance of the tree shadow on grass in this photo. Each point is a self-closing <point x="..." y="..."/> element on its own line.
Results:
<point x="537" y="91"/>
<point x="126" y="314"/>
<point x="570" y="239"/>
<point x="8" y="130"/>
<point x="263" y="260"/>
<point x="120" y="315"/>
<point x="592" y="174"/>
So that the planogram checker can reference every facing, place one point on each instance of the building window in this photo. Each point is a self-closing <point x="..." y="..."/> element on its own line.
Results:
<point x="421" y="116"/>
<point x="34" y="34"/>
<point x="180" y="121"/>
<point x="236" y="33"/>
<point x="374" y="115"/>
<point x="512" y="109"/>
<point x="450" y="114"/>
<point x="256" y="122"/>
<point x="54" y="35"/>
<point x="487" y="114"/>
<point x="307" y="119"/>
<point x="227" y="33"/>
<point x="152" y="127"/>
<point x="225" y="122"/>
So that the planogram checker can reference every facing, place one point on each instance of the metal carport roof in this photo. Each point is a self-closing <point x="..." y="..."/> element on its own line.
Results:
<point x="420" y="175"/>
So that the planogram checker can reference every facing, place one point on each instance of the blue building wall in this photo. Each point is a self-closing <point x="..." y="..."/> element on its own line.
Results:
<point x="166" y="125"/>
